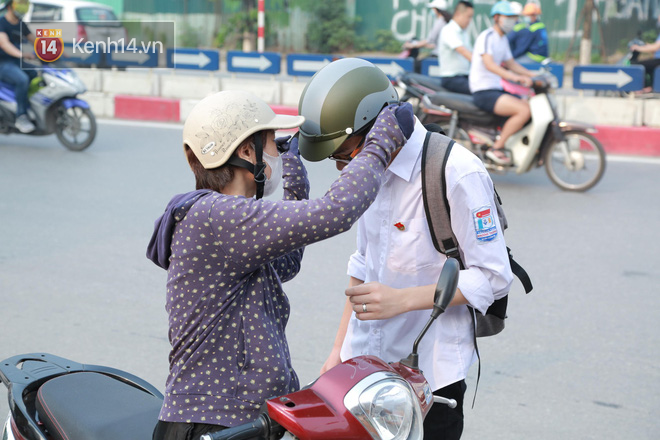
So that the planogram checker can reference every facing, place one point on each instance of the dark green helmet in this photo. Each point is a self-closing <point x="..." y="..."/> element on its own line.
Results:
<point x="342" y="98"/>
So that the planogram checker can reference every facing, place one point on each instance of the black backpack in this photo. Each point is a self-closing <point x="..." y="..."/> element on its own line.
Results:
<point x="435" y="154"/>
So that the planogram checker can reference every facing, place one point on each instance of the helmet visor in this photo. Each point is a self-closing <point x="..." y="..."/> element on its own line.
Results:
<point x="316" y="147"/>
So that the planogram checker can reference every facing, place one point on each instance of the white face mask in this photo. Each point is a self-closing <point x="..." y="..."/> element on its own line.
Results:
<point x="273" y="182"/>
<point x="507" y="24"/>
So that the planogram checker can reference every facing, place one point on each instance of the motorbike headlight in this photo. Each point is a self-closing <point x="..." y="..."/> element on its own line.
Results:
<point x="386" y="406"/>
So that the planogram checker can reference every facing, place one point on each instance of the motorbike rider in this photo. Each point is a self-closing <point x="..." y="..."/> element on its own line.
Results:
<point x="650" y="64"/>
<point x="456" y="49"/>
<point x="529" y="43"/>
<point x="395" y="268"/>
<point x="439" y="8"/>
<point x="227" y="252"/>
<point x="11" y="34"/>
<point x="492" y="61"/>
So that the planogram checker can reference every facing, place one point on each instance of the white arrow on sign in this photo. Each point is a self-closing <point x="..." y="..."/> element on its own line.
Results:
<point x="434" y="70"/>
<point x="262" y="63"/>
<point x="391" y="69"/>
<point x="199" y="59"/>
<point x="81" y="54"/>
<point x="618" y="78"/>
<point x="139" y="56"/>
<point x="310" y="65"/>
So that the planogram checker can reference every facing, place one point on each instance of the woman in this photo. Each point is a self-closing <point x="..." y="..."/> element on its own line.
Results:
<point x="228" y="252"/>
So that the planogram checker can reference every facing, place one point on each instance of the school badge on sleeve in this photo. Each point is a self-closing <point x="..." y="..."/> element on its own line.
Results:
<point x="484" y="224"/>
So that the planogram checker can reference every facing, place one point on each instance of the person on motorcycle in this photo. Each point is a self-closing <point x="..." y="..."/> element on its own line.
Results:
<point x="492" y="61"/>
<point x="650" y="64"/>
<point x="394" y="271"/>
<point x="227" y="252"/>
<point x="456" y="50"/>
<point x="529" y="43"/>
<point x="431" y="42"/>
<point x="11" y="34"/>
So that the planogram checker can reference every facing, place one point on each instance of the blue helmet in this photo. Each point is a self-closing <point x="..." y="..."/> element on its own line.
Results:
<point x="502" y="8"/>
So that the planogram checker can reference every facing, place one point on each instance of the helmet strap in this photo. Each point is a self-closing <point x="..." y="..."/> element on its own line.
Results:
<point x="258" y="169"/>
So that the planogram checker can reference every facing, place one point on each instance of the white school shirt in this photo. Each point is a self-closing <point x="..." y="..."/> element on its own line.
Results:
<point x="451" y="38"/>
<point x="488" y="42"/>
<point x="405" y="257"/>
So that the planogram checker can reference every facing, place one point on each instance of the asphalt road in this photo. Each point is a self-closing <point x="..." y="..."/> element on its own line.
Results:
<point x="576" y="361"/>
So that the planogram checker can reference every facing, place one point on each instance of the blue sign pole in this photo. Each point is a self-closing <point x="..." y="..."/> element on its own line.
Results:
<point x="626" y="79"/>
<point x="656" y="80"/>
<point x="254" y="62"/>
<point x="193" y="59"/>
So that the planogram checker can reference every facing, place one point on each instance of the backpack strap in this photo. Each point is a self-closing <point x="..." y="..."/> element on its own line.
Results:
<point x="435" y="153"/>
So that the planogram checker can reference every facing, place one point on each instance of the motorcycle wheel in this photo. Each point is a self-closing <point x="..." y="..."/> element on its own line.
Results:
<point x="75" y="127"/>
<point x="576" y="165"/>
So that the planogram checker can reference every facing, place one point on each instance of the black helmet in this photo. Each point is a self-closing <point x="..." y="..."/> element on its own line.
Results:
<point x="342" y="98"/>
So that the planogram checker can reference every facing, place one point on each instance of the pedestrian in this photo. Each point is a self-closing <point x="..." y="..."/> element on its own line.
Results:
<point x="227" y="252"/>
<point x="439" y="8"/>
<point x="492" y="61"/>
<point x="456" y="49"/>
<point x="395" y="268"/>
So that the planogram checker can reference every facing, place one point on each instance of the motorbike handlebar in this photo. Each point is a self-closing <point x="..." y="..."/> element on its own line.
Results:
<point x="259" y="428"/>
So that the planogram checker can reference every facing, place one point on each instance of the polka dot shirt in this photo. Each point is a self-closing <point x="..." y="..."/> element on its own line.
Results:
<point x="229" y="258"/>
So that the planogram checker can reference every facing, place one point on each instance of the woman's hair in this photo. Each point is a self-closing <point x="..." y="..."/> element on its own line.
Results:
<point x="216" y="179"/>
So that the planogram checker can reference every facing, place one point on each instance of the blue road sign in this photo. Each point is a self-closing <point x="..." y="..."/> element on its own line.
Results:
<point x="306" y="65"/>
<point x="656" y="79"/>
<point x="254" y="62"/>
<point x="194" y="59"/>
<point x="626" y="79"/>
<point x="136" y="58"/>
<point x="431" y="67"/>
<point x="79" y="56"/>
<point x="393" y="66"/>
<point x="555" y="69"/>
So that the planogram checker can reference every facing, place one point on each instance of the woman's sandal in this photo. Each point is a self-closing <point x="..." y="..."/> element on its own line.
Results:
<point x="498" y="155"/>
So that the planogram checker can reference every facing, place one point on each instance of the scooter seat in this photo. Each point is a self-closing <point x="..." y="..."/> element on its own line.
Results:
<point x="85" y="406"/>
<point x="457" y="101"/>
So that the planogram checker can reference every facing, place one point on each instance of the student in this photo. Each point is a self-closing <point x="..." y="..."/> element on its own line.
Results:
<point x="456" y="50"/>
<point x="395" y="268"/>
<point x="492" y="61"/>
<point x="227" y="252"/>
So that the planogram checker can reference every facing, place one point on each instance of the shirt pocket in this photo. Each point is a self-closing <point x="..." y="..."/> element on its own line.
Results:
<point x="411" y="246"/>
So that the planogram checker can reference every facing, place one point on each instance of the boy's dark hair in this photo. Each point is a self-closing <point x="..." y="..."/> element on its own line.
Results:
<point x="463" y="5"/>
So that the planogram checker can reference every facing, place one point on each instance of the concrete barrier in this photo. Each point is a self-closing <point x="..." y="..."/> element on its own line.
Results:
<point x="269" y="91"/>
<point x="129" y="83"/>
<point x="604" y="111"/>
<point x="187" y="86"/>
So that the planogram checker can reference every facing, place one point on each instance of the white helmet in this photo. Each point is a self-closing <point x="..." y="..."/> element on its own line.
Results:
<point x="219" y="123"/>
<point x="438" y="4"/>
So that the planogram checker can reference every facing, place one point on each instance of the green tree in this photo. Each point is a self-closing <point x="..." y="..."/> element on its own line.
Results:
<point x="334" y="30"/>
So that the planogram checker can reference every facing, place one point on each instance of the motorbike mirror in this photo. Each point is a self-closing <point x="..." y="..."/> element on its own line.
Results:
<point x="444" y="293"/>
<point x="446" y="287"/>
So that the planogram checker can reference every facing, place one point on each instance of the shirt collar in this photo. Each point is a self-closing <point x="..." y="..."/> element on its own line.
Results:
<point x="403" y="164"/>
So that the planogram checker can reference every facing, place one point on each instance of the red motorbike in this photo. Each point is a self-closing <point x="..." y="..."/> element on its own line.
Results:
<point x="52" y="398"/>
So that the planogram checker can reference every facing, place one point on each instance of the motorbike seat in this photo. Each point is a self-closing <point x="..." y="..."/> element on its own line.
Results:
<point x="86" y="405"/>
<point x="457" y="101"/>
